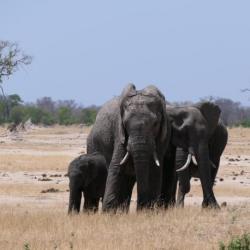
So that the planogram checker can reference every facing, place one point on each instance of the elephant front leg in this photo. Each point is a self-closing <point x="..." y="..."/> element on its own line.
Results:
<point x="183" y="177"/>
<point x="111" y="195"/>
<point x="91" y="204"/>
<point x="126" y="192"/>
<point x="169" y="181"/>
<point x="183" y="188"/>
<point x="204" y="166"/>
<point x="74" y="199"/>
<point x="180" y="198"/>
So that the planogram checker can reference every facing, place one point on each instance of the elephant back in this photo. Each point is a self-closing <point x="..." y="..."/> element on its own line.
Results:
<point x="102" y="135"/>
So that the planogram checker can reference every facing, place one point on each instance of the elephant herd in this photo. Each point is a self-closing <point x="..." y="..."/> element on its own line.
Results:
<point x="138" y="138"/>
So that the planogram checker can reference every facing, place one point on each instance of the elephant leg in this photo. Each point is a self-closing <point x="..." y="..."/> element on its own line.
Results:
<point x="169" y="180"/>
<point x="74" y="199"/>
<point x="126" y="192"/>
<point x="183" y="189"/>
<point x="114" y="180"/>
<point x="183" y="177"/>
<point x="112" y="189"/>
<point x="214" y="171"/>
<point x="91" y="204"/>
<point x="204" y="166"/>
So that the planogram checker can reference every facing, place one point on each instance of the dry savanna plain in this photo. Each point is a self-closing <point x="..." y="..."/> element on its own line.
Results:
<point x="34" y="199"/>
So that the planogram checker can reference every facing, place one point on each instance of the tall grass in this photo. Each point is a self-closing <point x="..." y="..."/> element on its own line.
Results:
<point x="189" y="228"/>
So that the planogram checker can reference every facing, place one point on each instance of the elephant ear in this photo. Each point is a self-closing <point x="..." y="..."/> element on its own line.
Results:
<point x="128" y="91"/>
<point x="211" y="113"/>
<point x="151" y="90"/>
<point x="90" y="170"/>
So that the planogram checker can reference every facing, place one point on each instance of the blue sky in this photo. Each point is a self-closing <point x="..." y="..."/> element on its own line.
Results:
<point x="89" y="50"/>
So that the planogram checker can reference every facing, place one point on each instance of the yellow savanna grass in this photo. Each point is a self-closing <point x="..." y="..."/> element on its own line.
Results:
<point x="189" y="228"/>
<point x="31" y="219"/>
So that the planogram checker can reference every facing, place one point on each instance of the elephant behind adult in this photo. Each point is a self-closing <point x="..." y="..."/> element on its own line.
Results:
<point x="216" y="145"/>
<point x="131" y="131"/>
<point x="192" y="129"/>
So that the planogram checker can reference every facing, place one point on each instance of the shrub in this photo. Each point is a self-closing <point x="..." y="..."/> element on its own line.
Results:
<point x="17" y="114"/>
<point x="237" y="243"/>
<point x="88" y="116"/>
<point x="65" y="116"/>
<point x="245" y="123"/>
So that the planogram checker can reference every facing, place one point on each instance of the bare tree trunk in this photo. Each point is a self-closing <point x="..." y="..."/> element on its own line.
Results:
<point x="7" y="111"/>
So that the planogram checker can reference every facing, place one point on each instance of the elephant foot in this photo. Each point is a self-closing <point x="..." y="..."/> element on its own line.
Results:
<point x="210" y="204"/>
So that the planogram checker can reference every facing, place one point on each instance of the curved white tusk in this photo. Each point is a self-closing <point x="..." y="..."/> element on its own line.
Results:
<point x="157" y="162"/>
<point x="186" y="164"/>
<point x="125" y="159"/>
<point x="194" y="160"/>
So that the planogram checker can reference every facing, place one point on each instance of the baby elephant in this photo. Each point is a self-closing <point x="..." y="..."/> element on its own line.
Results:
<point x="87" y="174"/>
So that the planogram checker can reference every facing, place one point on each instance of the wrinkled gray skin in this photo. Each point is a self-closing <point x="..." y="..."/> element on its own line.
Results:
<point x="192" y="128"/>
<point x="87" y="175"/>
<point x="216" y="146"/>
<point x="134" y="122"/>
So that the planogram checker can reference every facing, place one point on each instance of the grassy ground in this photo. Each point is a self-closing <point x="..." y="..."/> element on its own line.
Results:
<point x="31" y="217"/>
<point x="189" y="228"/>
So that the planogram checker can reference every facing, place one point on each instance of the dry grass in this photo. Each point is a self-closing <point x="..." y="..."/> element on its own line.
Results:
<point x="190" y="228"/>
<point x="21" y="162"/>
<point x="29" y="189"/>
<point x="40" y="220"/>
<point x="238" y="143"/>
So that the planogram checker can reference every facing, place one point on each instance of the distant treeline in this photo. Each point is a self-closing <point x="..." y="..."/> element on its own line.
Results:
<point x="232" y="113"/>
<point x="45" y="111"/>
<point x="48" y="112"/>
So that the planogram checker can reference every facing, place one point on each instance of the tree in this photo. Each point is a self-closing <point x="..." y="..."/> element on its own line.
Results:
<point x="88" y="115"/>
<point x="11" y="59"/>
<point x="46" y="104"/>
<point x="65" y="116"/>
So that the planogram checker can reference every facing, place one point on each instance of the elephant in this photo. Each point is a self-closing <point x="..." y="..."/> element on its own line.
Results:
<point x="193" y="130"/>
<point x="216" y="145"/>
<point x="130" y="131"/>
<point x="87" y="174"/>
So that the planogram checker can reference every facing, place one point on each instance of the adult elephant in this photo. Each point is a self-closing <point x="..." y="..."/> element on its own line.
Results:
<point x="192" y="129"/>
<point x="131" y="131"/>
<point x="216" y="146"/>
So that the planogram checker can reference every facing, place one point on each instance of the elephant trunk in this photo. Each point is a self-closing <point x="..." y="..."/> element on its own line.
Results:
<point x="148" y="179"/>
<point x="141" y="165"/>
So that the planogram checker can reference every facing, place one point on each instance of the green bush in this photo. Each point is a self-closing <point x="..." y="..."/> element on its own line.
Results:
<point x="17" y="114"/>
<point x="37" y="115"/>
<point x="65" y="116"/>
<point x="237" y="243"/>
<point x="34" y="113"/>
<point x="245" y="123"/>
<point x="88" y="116"/>
<point x="2" y="113"/>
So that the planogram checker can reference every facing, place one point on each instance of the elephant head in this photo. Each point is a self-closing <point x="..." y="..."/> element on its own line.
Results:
<point x="143" y="129"/>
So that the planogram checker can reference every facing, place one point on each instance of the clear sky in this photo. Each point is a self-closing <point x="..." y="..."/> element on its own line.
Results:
<point x="89" y="50"/>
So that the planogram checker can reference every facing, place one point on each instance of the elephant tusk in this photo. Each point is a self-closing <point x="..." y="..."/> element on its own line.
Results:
<point x="194" y="160"/>
<point x="186" y="164"/>
<point x="125" y="159"/>
<point x="157" y="162"/>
